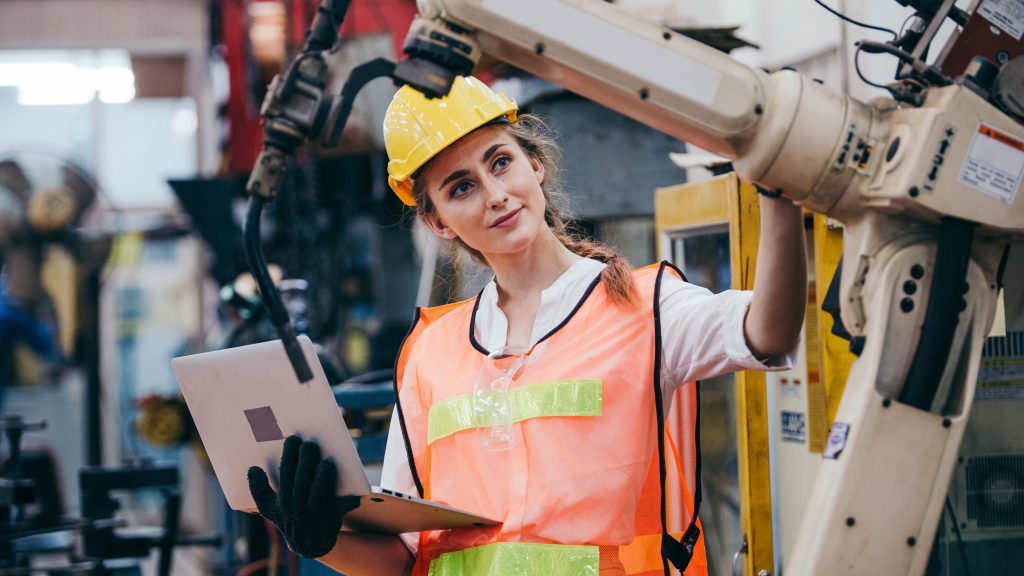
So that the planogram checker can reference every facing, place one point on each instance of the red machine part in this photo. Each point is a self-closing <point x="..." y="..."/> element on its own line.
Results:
<point x="364" y="17"/>
<point x="989" y="33"/>
<point x="245" y="137"/>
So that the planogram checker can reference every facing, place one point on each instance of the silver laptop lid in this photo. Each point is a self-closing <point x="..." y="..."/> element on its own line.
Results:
<point x="245" y="401"/>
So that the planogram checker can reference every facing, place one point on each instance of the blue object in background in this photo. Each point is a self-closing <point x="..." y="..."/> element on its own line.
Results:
<point x="314" y="568"/>
<point x="17" y="325"/>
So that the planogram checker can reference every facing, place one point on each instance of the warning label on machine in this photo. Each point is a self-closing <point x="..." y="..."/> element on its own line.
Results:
<point x="1000" y="379"/>
<point x="994" y="164"/>
<point x="794" y="427"/>
<point x="1008" y="15"/>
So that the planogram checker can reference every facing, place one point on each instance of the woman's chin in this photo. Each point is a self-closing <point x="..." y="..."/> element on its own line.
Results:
<point x="512" y="245"/>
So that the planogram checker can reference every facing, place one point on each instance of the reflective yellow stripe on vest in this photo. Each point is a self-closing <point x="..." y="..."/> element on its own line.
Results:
<point x="513" y="558"/>
<point x="554" y="398"/>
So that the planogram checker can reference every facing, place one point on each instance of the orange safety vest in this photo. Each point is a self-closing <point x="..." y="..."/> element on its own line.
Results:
<point x="581" y="490"/>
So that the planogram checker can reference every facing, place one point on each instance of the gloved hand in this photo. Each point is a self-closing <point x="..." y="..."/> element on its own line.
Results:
<point x="305" y="508"/>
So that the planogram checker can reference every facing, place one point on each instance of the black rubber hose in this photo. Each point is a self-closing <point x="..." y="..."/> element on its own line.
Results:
<point x="268" y="292"/>
<point x="323" y="32"/>
<point x="949" y="282"/>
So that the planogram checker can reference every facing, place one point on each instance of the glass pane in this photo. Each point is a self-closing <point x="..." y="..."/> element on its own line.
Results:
<point x="706" y="260"/>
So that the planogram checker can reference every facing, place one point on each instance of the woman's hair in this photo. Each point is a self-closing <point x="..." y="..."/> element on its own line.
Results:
<point x="537" y="141"/>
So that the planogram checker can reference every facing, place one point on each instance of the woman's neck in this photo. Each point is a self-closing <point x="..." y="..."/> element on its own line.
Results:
<point x="524" y="275"/>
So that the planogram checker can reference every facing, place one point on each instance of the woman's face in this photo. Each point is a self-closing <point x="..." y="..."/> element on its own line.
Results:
<point x="487" y="192"/>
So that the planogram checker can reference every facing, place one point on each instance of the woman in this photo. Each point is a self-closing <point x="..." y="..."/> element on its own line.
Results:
<point x="558" y="438"/>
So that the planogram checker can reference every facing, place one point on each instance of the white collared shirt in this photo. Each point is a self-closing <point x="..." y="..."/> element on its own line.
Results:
<point x="701" y="334"/>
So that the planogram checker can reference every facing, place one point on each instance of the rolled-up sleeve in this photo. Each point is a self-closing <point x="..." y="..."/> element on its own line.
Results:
<point x="702" y="334"/>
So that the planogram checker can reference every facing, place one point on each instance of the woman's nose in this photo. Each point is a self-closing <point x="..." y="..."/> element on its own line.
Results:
<point x="497" y="196"/>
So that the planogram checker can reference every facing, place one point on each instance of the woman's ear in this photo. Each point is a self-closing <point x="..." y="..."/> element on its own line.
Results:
<point x="538" y="169"/>
<point x="438" y="227"/>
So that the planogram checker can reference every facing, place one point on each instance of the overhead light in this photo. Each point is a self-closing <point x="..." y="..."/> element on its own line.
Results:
<point x="115" y="85"/>
<point x="54" y="96"/>
<point x="107" y="75"/>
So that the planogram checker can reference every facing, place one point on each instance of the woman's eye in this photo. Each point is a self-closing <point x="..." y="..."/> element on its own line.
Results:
<point x="460" y="189"/>
<point x="501" y="163"/>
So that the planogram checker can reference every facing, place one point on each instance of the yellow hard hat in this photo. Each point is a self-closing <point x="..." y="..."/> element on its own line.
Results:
<point x="416" y="128"/>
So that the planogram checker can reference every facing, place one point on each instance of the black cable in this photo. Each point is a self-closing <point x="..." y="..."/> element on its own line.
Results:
<point x="959" y="538"/>
<point x="856" y="66"/>
<point x="268" y="292"/>
<point x="927" y="72"/>
<point x="872" y="47"/>
<point x="323" y="32"/>
<point x="855" y="22"/>
<point x="904" y="25"/>
<point x="942" y="314"/>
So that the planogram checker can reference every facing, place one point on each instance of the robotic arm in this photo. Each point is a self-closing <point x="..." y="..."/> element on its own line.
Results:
<point x="927" y="187"/>
<point x="780" y="130"/>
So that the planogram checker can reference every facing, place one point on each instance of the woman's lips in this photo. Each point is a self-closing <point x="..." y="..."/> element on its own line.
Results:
<point x="508" y="219"/>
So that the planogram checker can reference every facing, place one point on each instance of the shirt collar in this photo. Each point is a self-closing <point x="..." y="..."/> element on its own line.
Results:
<point x="556" y="302"/>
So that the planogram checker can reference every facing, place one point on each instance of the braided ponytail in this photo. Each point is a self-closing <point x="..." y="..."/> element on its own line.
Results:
<point x="617" y="276"/>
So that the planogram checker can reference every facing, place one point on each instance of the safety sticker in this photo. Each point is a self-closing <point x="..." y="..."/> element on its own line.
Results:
<point x="790" y="388"/>
<point x="1000" y="379"/>
<point x="836" y="440"/>
<point x="794" y="427"/>
<point x="1008" y="15"/>
<point x="994" y="164"/>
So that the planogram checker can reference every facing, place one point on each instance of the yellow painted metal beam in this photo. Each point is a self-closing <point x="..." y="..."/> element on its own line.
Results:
<point x="689" y="205"/>
<point x="835" y="355"/>
<point x="751" y="398"/>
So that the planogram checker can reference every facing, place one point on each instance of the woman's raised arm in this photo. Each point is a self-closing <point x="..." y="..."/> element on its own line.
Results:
<point x="776" y="313"/>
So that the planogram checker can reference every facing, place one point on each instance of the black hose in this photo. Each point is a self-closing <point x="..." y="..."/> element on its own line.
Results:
<point x="268" y="292"/>
<point x="945" y="298"/>
<point x="359" y="77"/>
<point x="323" y="32"/>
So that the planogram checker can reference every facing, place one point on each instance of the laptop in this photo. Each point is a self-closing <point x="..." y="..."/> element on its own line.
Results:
<point x="245" y="401"/>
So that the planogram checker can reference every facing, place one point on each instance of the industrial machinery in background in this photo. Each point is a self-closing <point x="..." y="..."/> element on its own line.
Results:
<point x="35" y="213"/>
<point x="56" y="232"/>
<point x="983" y="528"/>
<point x="51" y="207"/>
<point x="332" y="229"/>
<point x="100" y="542"/>
<point x="926" y="184"/>
<point x="47" y="202"/>
<point x="343" y="269"/>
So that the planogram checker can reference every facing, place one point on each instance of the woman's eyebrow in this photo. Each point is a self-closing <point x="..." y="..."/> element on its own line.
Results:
<point x="490" y="151"/>
<point x="460" y="173"/>
<point x="454" y="176"/>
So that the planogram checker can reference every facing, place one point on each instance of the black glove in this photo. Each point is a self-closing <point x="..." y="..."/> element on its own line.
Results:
<point x="305" y="509"/>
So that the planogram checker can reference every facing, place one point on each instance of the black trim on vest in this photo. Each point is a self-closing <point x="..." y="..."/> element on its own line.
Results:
<point x="398" y="405"/>
<point x="679" y="553"/>
<point x="472" y="319"/>
<point x="472" y="322"/>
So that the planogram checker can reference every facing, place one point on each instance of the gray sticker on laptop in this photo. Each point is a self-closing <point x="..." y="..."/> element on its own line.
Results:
<point x="264" y="424"/>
